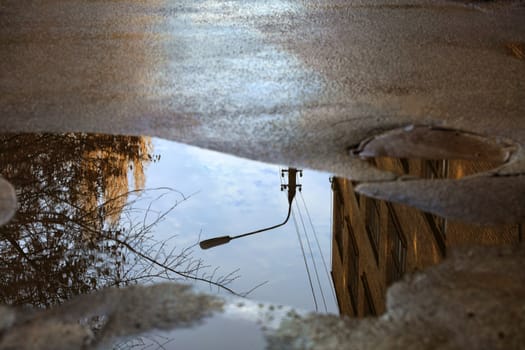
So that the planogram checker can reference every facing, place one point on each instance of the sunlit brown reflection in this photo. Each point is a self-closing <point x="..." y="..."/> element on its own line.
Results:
<point x="71" y="190"/>
<point x="375" y="242"/>
<point x="81" y="225"/>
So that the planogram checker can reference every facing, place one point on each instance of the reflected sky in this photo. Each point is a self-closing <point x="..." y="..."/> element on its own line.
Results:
<point x="230" y="196"/>
<point x="101" y="210"/>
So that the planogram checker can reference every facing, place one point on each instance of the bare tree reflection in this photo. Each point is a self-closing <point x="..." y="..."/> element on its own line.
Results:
<point x="76" y="229"/>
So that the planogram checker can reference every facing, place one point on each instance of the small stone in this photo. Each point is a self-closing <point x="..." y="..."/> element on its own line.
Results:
<point x="7" y="201"/>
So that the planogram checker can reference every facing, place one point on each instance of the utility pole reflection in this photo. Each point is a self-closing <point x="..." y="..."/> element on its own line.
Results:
<point x="292" y="186"/>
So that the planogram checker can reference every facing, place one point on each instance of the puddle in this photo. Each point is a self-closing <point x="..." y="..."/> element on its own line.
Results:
<point x="98" y="211"/>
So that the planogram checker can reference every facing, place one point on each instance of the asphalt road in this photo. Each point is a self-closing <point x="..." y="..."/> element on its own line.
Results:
<point x="290" y="82"/>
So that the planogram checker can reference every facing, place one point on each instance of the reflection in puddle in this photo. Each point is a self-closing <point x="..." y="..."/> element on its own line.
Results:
<point x="101" y="211"/>
<point x="98" y="211"/>
<point x="376" y="242"/>
<point x="234" y="196"/>
<point x="72" y="190"/>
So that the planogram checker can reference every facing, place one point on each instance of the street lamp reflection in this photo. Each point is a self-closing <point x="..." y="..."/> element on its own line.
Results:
<point x="291" y="186"/>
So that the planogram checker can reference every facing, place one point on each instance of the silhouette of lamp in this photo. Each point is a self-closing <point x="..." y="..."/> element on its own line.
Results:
<point x="213" y="242"/>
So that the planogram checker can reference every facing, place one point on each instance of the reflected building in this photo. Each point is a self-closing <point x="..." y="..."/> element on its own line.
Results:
<point x="72" y="189"/>
<point x="375" y="242"/>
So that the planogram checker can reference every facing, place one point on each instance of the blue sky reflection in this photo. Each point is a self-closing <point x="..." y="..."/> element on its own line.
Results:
<point x="233" y="196"/>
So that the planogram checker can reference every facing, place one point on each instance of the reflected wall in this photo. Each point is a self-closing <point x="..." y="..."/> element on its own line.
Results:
<point x="375" y="242"/>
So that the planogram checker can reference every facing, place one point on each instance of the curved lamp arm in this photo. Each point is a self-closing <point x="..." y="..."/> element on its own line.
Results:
<point x="213" y="242"/>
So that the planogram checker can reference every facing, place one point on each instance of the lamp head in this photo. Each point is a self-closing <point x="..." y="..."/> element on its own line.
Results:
<point x="213" y="242"/>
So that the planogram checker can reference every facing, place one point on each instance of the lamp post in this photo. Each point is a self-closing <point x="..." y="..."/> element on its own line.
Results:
<point x="291" y="186"/>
